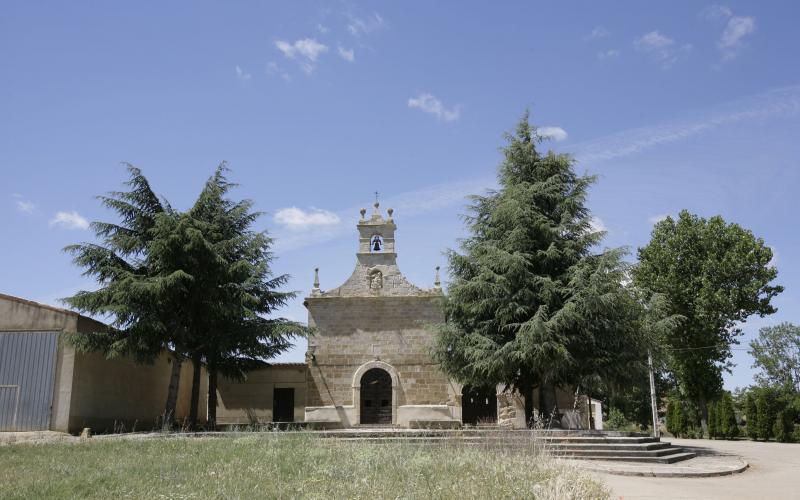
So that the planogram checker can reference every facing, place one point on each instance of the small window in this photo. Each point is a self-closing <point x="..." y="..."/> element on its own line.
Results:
<point x="376" y="245"/>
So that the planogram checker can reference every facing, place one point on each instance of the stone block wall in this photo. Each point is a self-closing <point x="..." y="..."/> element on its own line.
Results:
<point x="351" y="331"/>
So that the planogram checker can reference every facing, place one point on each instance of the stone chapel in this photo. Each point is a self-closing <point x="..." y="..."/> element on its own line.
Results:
<point x="368" y="360"/>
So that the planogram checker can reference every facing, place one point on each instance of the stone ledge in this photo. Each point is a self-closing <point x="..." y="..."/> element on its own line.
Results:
<point x="702" y="466"/>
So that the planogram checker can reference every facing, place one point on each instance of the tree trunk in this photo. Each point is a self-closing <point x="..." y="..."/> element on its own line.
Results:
<point x="195" y="402"/>
<point x="547" y="401"/>
<point x="168" y="419"/>
<point x="527" y="397"/>
<point x="703" y="404"/>
<point x="212" y="398"/>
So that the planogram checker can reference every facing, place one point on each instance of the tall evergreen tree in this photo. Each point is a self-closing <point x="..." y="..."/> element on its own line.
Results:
<point x="145" y="322"/>
<point x="531" y="304"/>
<point x="727" y="425"/>
<point x="198" y="283"/>
<point x="765" y="413"/>
<point x="239" y="289"/>
<point x="715" y="275"/>
<point x="751" y="415"/>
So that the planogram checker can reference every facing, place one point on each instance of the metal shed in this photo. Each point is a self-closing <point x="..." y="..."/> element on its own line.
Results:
<point x="27" y="374"/>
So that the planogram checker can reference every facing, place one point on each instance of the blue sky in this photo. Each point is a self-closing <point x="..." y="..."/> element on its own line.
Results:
<point x="316" y="105"/>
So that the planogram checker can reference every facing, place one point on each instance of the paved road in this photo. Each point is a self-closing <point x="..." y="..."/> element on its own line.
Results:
<point x="774" y="473"/>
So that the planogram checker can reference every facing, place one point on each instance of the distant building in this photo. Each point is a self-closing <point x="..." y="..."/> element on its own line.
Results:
<point x="46" y="385"/>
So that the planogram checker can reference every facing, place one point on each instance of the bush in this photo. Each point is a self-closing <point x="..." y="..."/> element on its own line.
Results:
<point x="616" y="420"/>
<point x="693" y="433"/>
<point x="727" y="426"/>
<point x="784" y="426"/>
<point x="676" y="425"/>
<point x="750" y="415"/>
<point x="669" y="420"/>
<point x="765" y="413"/>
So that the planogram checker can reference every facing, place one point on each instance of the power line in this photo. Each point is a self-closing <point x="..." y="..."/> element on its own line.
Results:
<point x="704" y="347"/>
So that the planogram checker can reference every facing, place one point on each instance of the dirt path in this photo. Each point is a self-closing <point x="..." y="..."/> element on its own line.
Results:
<point x="774" y="473"/>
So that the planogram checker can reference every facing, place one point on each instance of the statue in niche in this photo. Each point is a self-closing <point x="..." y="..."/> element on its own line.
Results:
<point x="375" y="280"/>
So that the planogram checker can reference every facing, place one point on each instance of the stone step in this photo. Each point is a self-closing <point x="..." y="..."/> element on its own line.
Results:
<point x="617" y="453"/>
<point x="666" y="459"/>
<point x="613" y="446"/>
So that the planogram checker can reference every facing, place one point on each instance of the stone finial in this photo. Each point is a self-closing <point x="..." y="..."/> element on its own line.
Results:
<point x="377" y="206"/>
<point x="316" y="290"/>
<point x="436" y="282"/>
<point x="390" y="212"/>
<point x="363" y="212"/>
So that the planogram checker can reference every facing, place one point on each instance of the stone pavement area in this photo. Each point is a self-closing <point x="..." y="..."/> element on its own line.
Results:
<point x="773" y="472"/>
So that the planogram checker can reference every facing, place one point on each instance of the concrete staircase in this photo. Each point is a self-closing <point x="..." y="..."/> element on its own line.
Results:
<point x="571" y="444"/>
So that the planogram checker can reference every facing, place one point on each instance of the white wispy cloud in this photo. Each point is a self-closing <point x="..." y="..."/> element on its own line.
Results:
<point x="347" y="55"/>
<point x="308" y="48"/>
<point x="365" y="25"/>
<point x="778" y="102"/>
<point x="597" y="32"/>
<point x="23" y="205"/>
<point x="597" y="224"/>
<point x="69" y="220"/>
<point x="716" y="12"/>
<point x="556" y="133"/>
<point x="306" y="51"/>
<point x="430" y="104"/>
<point x="774" y="260"/>
<point x="322" y="29"/>
<point x="273" y="69"/>
<point x="655" y="219"/>
<point x="242" y="75"/>
<point x="409" y="204"/>
<point x="736" y="29"/>
<point x="608" y="54"/>
<point x="297" y="219"/>
<point x="661" y="48"/>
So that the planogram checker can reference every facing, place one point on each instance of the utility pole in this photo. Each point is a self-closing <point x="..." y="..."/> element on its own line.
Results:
<point x="653" y="402"/>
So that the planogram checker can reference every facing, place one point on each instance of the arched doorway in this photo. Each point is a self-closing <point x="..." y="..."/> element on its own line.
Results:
<point x="478" y="405"/>
<point x="376" y="397"/>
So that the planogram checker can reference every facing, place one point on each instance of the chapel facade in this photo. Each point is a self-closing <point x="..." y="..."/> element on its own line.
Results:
<point x="369" y="358"/>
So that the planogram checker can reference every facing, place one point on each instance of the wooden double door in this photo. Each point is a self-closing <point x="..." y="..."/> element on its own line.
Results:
<point x="376" y="397"/>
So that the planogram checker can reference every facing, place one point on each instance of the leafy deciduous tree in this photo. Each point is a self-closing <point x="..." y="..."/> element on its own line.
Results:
<point x="776" y="352"/>
<point x="715" y="275"/>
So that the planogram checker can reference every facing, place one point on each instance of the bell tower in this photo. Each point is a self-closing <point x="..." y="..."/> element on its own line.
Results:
<point x="376" y="238"/>
<point x="376" y="272"/>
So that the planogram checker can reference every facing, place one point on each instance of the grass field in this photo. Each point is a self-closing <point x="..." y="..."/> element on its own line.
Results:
<point x="273" y="465"/>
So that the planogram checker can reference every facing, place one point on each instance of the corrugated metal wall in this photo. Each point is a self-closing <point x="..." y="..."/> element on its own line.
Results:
<point x="27" y="370"/>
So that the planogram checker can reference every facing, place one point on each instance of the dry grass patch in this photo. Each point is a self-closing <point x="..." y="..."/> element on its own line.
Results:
<point x="282" y="465"/>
